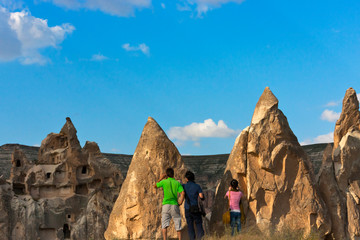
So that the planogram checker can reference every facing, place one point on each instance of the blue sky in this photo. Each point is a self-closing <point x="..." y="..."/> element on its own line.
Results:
<point x="197" y="66"/>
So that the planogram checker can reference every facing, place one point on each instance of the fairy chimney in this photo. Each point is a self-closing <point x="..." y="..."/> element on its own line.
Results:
<point x="339" y="178"/>
<point x="137" y="211"/>
<point x="278" y="180"/>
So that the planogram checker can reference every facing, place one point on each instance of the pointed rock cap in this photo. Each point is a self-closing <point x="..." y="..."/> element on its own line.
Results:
<point x="350" y="116"/>
<point x="266" y="102"/>
<point x="70" y="131"/>
<point x="68" y="128"/>
<point x="152" y="129"/>
<point x="151" y="119"/>
<point x="350" y="102"/>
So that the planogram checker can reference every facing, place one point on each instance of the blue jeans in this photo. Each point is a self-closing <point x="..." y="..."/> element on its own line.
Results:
<point x="192" y="218"/>
<point x="235" y="219"/>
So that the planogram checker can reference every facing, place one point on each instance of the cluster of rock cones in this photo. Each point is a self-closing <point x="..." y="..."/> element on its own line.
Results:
<point x="70" y="191"/>
<point x="273" y="170"/>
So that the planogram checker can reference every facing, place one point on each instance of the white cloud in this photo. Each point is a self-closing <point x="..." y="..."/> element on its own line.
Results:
<point x="121" y="8"/>
<point x="36" y="145"/>
<point x="183" y="7"/>
<point x="332" y="104"/>
<point x="126" y="8"/>
<point x="115" y="150"/>
<point x="24" y="36"/>
<point x="203" y="6"/>
<point x="98" y="57"/>
<point x="141" y="47"/>
<point x="326" y="138"/>
<point x="330" y="115"/>
<point x="358" y="96"/>
<point x="207" y="129"/>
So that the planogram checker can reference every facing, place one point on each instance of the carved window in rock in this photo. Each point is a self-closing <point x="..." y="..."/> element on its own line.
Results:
<point x="18" y="163"/>
<point x="18" y="188"/>
<point x="83" y="170"/>
<point x="48" y="175"/>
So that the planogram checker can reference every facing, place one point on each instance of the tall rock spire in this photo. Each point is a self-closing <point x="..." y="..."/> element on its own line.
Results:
<point x="339" y="177"/>
<point x="350" y="116"/>
<point x="137" y="211"/>
<point x="278" y="179"/>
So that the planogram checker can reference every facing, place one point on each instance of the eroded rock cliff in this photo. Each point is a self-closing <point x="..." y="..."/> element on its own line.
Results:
<point x="67" y="193"/>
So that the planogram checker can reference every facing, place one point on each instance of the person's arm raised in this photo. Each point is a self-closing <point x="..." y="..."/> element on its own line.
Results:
<point x="163" y="176"/>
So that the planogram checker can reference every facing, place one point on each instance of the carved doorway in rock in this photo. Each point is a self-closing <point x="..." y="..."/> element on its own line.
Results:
<point x="66" y="231"/>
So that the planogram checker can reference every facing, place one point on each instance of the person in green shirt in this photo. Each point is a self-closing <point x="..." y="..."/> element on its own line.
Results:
<point x="171" y="202"/>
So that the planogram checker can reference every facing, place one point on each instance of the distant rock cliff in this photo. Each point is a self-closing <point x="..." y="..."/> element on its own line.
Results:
<point x="207" y="168"/>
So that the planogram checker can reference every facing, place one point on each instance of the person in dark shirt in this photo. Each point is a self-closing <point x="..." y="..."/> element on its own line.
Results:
<point x="192" y="211"/>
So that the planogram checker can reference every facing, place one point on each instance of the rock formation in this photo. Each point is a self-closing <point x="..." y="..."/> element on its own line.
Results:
<point x="275" y="174"/>
<point x="330" y="193"/>
<point x="235" y="168"/>
<point x="350" y="116"/>
<point x="67" y="193"/>
<point x="137" y="211"/>
<point x="339" y="177"/>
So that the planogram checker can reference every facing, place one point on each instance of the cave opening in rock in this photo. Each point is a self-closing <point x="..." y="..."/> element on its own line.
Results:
<point x="18" y="163"/>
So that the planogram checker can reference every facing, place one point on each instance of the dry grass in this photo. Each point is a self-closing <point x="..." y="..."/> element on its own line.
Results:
<point x="254" y="234"/>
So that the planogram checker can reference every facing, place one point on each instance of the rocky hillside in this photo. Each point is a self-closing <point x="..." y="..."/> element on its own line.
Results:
<point x="208" y="168"/>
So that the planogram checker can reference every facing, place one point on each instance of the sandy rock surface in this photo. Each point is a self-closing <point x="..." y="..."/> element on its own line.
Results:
<point x="274" y="173"/>
<point x="339" y="176"/>
<point x="137" y="211"/>
<point x="67" y="193"/>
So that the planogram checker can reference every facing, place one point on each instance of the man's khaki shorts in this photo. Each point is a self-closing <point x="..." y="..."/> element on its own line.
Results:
<point x="171" y="211"/>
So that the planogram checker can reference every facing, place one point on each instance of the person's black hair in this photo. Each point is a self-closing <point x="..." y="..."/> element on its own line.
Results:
<point x="170" y="172"/>
<point x="190" y="176"/>
<point x="234" y="184"/>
